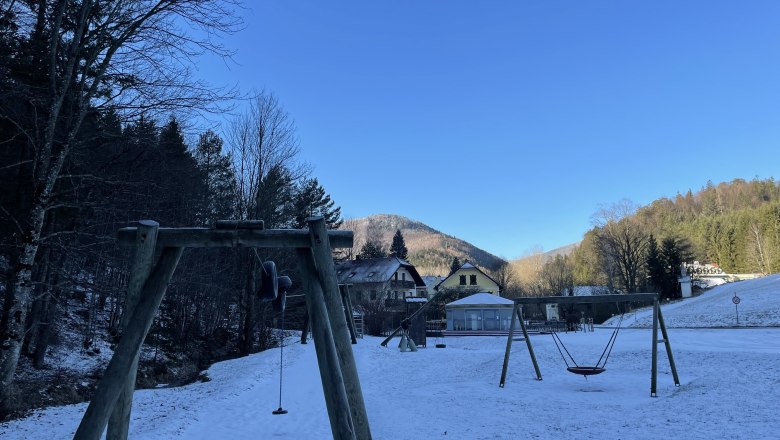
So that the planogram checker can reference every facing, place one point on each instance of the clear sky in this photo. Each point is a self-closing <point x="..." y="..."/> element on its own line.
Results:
<point x="508" y="124"/>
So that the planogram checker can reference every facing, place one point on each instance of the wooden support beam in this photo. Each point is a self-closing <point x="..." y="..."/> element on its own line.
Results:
<point x="323" y="259"/>
<point x="528" y="343"/>
<point x="143" y="259"/>
<point x="508" y="346"/>
<point x="115" y="377"/>
<point x="332" y="380"/>
<point x="411" y="317"/>
<point x="592" y="299"/>
<point x="654" y="368"/>
<point x="668" y="347"/>
<point x="239" y="224"/>
<point x="344" y="288"/>
<point x="205" y="237"/>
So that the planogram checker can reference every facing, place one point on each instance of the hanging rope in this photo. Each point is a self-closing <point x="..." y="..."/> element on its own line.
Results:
<point x="281" y="367"/>
<point x="604" y="354"/>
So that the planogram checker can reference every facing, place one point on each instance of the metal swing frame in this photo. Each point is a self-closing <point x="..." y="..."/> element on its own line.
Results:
<point x="658" y="321"/>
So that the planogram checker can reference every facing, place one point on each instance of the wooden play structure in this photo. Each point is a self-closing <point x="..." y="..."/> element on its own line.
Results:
<point x="148" y="282"/>
<point x="658" y="321"/>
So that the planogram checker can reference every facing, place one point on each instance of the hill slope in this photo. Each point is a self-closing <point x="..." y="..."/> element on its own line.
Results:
<point x="431" y="251"/>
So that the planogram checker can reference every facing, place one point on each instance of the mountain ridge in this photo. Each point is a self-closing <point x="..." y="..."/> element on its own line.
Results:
<point x="430" y="250"/>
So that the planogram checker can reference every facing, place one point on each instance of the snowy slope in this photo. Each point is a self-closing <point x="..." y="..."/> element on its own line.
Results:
<point x="759" y="307"/>
<point x="730" y="386"/>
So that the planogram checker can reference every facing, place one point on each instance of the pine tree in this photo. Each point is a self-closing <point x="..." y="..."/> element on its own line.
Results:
<point x="274" y="202"/>
<point x="372" y="249"/>
<point x="398" y="247"/>
<point x="654" y="264"/>
<point x="219" y="181"/>
<point x="311" y="200"/>
<point x="455" y="265"/>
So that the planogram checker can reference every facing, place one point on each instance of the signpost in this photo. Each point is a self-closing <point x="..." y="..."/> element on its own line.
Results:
<point x="736" y="301"/>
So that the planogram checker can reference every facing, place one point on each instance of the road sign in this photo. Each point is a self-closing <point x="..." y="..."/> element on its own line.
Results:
<point x="736" y="299"/>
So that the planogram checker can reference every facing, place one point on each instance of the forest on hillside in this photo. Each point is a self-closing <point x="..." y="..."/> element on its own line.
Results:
<point x="429" y="250"/>
<point x="734" y="225"/>
<point x="94" y="101"/>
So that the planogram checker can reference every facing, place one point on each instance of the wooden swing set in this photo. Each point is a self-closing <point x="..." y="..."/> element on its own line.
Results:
<point x="112" y="402"/>
<point x="598" y="367"/>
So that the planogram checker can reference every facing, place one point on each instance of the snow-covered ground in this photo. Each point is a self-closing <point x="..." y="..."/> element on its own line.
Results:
<point x="730" y="387"/>
<point x="759" y="306"/>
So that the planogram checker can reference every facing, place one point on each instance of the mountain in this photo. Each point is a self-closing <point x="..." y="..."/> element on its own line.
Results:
<point x="430" y="251"/>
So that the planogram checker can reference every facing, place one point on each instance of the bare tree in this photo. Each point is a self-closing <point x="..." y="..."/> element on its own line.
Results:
<point x="558" y="276"/>
<point x="75" y="56"/>
<point x="505" y="278"/>
<point x="621" y="241"/>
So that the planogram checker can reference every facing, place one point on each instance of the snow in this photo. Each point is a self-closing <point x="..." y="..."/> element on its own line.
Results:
<point x="759" y="306"/>
<point x="482" y="298"/>
<point x="730" y="383"/>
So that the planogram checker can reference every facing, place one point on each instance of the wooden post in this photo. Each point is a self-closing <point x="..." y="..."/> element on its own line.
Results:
<point x="119" y="422"/>
<point x="323" y="259"/>
<point x="508" y="345"/>
<point x="668" y="347"/>
<point x="348" y="312"/>
<point x="115" y="377"/>
<point x="336" y="400"/>
<point x="305" y="331"/>
<point x="654" y="370"/>
<point x="528" y="343"/>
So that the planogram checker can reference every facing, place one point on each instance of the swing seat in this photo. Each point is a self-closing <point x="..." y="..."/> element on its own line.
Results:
<point x="586" y="371"/>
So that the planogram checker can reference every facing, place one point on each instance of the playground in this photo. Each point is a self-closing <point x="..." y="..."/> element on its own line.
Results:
<point x="730" y="383"/>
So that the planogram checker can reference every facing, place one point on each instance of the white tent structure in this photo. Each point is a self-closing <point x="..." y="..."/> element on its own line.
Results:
<point x="481" y="313"/>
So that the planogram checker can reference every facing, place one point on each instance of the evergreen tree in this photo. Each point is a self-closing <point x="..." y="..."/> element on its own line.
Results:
<point x="398" y="247"/>
<point x="655" y="264"/>
<point x="372" y="249"/>
<point x="218" y="202"/>
<point x="311" y="200"/>
<point x="275" y="201"/>
<point x="455" y="265"/>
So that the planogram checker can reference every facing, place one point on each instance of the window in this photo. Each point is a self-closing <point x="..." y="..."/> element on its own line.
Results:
<point x="474" y="320"/>
<point x="395" y="294"/>
<point x="456" y="320"/>
<point x="463" y="280"/>
<point x="395" y="276"/>
<point x="403" y="277"/>
<point x="490" y="319"/>
<point x="351" y="275"/>
<point x="373" y="295"/>
<point x="473" y="280"/>
<point x="371" y="274"/>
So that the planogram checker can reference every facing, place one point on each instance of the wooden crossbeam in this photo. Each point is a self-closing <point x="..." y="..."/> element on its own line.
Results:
<point x="207" y="237"/>
<point x="589" y="299"/>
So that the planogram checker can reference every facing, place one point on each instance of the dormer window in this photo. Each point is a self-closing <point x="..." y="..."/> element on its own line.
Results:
<point x="371" y="274"/>
<point x="463" y="280"/>
<point x="473" y="280"/>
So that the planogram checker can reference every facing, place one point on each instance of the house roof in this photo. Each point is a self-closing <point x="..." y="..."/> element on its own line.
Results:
<point x="482" y="299"/>
<point x="467" y="265"/>
<point x="374" y="270"/>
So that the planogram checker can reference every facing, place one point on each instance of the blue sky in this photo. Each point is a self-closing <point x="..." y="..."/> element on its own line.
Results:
<point x="508" y="124"/>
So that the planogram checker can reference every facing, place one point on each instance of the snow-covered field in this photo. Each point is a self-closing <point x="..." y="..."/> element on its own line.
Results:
<point x="730" y="387"/>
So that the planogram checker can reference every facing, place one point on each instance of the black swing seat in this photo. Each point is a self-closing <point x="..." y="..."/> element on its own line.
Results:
<point x="586" y="371"/>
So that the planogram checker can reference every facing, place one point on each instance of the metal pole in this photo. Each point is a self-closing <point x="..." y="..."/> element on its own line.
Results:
<point x="654" y="370"/>
<point x="508" y="346"/>
<point x="528" y="343"/>
<point x="668" y="347"/>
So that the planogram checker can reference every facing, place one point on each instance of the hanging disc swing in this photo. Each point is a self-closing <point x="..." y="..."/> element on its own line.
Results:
<point x="600" y="365"/>
<point x="279" y="305"/>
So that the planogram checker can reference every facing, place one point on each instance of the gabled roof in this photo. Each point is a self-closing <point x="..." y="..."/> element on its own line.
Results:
<point x="482" y="299"/>
<point x="374" y="270"/>
<point x="467" y="265"/>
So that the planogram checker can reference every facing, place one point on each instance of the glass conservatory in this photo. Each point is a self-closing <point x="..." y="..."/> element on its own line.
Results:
<point x="481" y="312"/>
